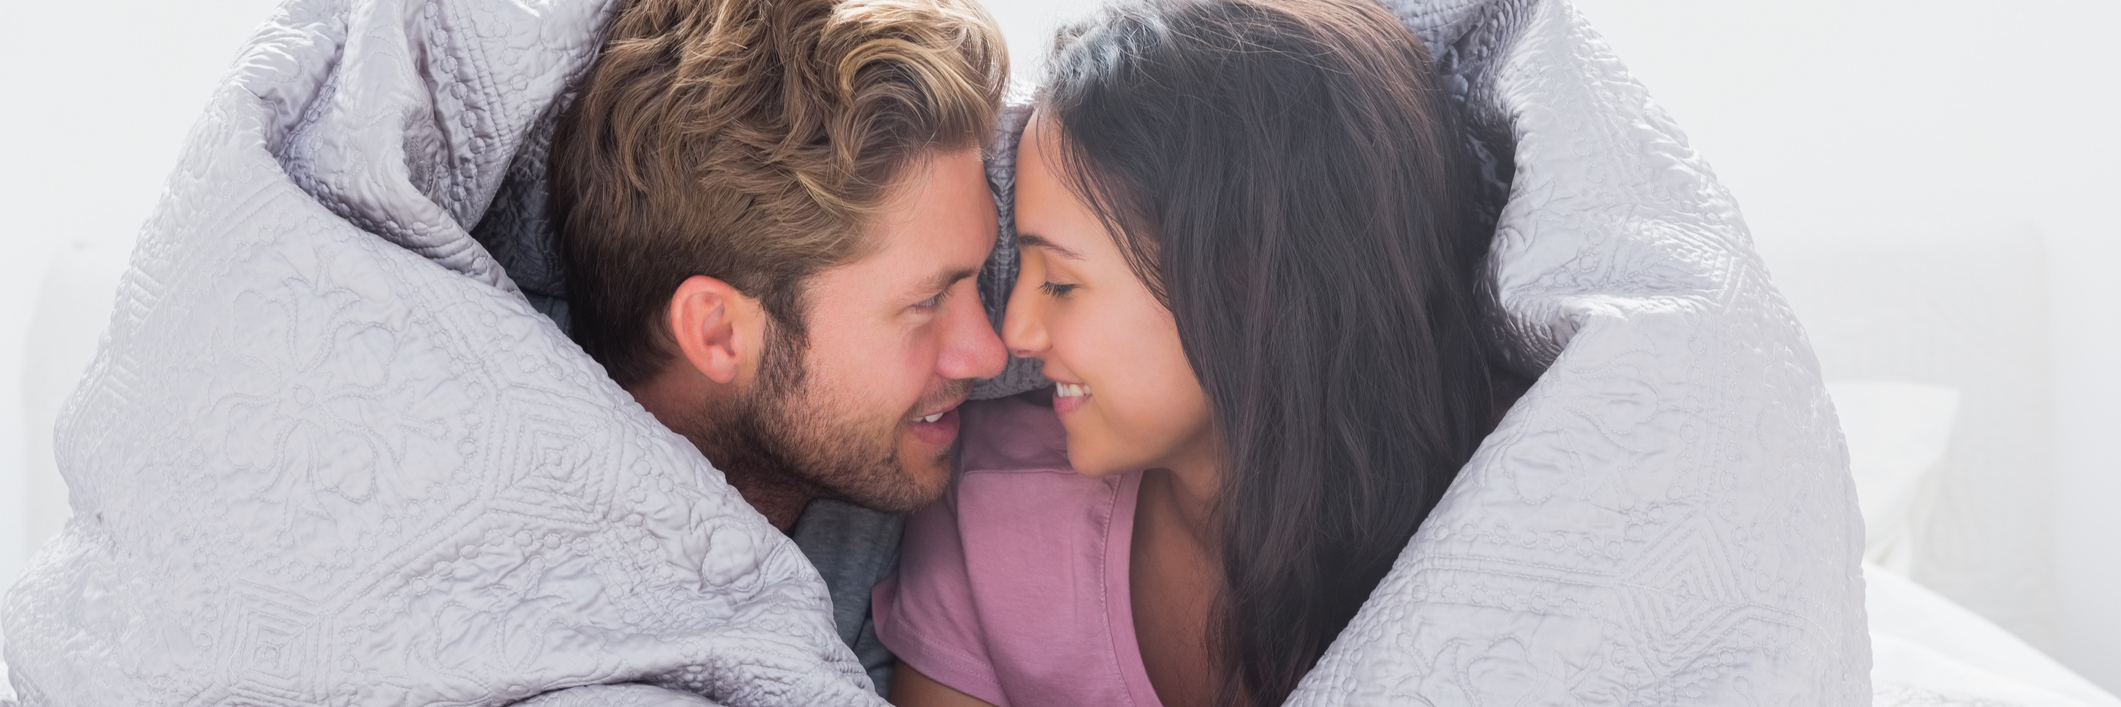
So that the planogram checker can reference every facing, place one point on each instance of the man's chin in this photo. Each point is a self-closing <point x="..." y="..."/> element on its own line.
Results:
<point x="910" y="480"/>
<point x="925" y="470"/>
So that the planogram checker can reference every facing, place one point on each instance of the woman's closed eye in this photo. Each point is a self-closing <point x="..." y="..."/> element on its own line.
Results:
<point x="1053" y="289"/>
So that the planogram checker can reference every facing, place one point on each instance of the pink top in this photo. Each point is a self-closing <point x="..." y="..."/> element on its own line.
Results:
<point x="1013" y="587"/>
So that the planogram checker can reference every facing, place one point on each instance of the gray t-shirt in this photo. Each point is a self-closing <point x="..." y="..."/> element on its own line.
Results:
<point x="853" y="548"/>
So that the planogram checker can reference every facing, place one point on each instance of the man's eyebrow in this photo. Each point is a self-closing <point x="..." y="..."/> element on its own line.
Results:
<point x="1032" y="240"/>
<point x="943" y="280"/>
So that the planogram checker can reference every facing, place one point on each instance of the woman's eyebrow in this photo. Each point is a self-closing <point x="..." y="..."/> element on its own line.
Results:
<point x="1034" y="241"/>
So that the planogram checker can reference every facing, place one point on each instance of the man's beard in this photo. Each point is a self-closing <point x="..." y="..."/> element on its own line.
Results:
<point x="784" y="432"/>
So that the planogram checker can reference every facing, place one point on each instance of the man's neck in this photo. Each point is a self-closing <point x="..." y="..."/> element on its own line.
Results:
<point x="675" y="398"/>
<point x="780" y="498"/>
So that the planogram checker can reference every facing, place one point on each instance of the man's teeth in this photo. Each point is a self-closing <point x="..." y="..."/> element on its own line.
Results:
<point x="930" y="418"/>
<point x="1070" y="390"/>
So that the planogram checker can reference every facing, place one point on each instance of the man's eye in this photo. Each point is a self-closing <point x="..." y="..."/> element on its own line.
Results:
<point x="929" y="303"/>
<point x="1056" y="290"/>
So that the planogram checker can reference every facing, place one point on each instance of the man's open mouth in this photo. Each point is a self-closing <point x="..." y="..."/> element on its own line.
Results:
<point x="937" y="428"/>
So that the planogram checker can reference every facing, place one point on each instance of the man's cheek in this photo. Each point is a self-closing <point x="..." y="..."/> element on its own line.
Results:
<point x="912" y="378"/>
<point x="868" y="384"/>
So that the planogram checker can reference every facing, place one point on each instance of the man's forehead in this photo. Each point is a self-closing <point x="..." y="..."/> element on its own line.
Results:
<point x="935" y="229"/>
<point x="947" y="186"/>
<point x="927" y="259"/>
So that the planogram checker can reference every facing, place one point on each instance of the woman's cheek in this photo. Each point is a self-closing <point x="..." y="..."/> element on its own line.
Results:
<point x="1145" y="404"/>
<point x="1091" y="434"/>
<point x="1123" y="428"/>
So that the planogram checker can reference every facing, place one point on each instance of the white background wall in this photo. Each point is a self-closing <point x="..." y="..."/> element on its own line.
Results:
<point x="1818" y="114"/>
<point x="98" y="98"/>
<point x="1825" y="117"/>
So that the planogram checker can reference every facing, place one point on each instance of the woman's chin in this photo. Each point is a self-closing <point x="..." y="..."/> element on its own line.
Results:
<point x="1095" y="472"/>
<point x="1095" y="460"/>
<point x="1097" y="448"/>
<point x="1085" y="459"/>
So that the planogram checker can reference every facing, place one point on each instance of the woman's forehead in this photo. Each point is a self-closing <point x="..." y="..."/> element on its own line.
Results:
<point x="1049" y="215"/>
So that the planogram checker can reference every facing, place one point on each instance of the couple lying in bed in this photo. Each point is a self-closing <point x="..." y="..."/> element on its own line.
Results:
<point x="1249" y="263"/>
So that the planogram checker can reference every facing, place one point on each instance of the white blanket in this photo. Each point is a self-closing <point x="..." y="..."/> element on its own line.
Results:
<point x="329" y="452"/>
<point x="1667" y="517"/>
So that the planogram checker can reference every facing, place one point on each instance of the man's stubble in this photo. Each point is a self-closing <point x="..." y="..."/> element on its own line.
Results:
<point x="789" y="435"/>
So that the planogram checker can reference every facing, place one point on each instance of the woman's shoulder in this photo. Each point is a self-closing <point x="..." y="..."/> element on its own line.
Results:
<point x="1003" y="585"/>
<point x="1014" y="483"/>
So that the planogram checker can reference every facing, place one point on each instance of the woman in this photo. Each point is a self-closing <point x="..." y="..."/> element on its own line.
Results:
<point x="1251" y="248"/>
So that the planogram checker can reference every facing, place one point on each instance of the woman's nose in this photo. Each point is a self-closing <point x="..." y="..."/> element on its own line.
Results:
<point x="1023" y="326"/>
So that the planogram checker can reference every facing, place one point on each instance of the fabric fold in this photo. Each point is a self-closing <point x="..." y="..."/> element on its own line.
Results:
<point x="1667" y="517"/>
<point x="328" y="453"/>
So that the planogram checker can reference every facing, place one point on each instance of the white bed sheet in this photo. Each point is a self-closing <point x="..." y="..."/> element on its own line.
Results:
<point x="1926" y="650"/>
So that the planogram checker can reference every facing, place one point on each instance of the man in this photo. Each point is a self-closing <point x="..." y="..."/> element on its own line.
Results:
<point x="772" y="213"/>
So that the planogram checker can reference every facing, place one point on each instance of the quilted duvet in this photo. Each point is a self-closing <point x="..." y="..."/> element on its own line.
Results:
<point x="335" y="450"/>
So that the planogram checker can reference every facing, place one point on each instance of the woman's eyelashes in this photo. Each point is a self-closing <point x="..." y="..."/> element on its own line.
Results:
<point x="1055" y="289"/>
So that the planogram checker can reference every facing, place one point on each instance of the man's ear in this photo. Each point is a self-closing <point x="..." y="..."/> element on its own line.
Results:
<point x="718" y="330"/>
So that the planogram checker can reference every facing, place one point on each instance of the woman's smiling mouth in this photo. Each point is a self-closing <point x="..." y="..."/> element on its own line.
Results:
<point x="1067" y="397"/>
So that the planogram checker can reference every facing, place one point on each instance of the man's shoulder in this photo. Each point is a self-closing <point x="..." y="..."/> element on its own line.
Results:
<point x="843" y="539"/>
<point x="853" y="549"/>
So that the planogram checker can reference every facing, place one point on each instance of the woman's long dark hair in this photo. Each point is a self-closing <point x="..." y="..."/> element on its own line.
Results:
<point x="1289" y="178"/>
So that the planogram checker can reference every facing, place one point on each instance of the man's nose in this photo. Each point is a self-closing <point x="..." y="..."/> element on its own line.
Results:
<point x="970" y="347"/>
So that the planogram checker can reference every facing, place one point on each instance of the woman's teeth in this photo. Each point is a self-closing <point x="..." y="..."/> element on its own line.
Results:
<point x="931" y="418"/>
<point x="1070" y="390"/>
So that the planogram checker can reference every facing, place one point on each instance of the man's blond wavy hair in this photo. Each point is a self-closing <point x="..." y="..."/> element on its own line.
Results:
<point x="750" y="140"/>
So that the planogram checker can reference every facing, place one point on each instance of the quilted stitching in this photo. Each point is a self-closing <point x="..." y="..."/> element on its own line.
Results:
<point x="617" y="696"/>
<point x="1667" y="517"/>
<point x="329" y="454"/>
